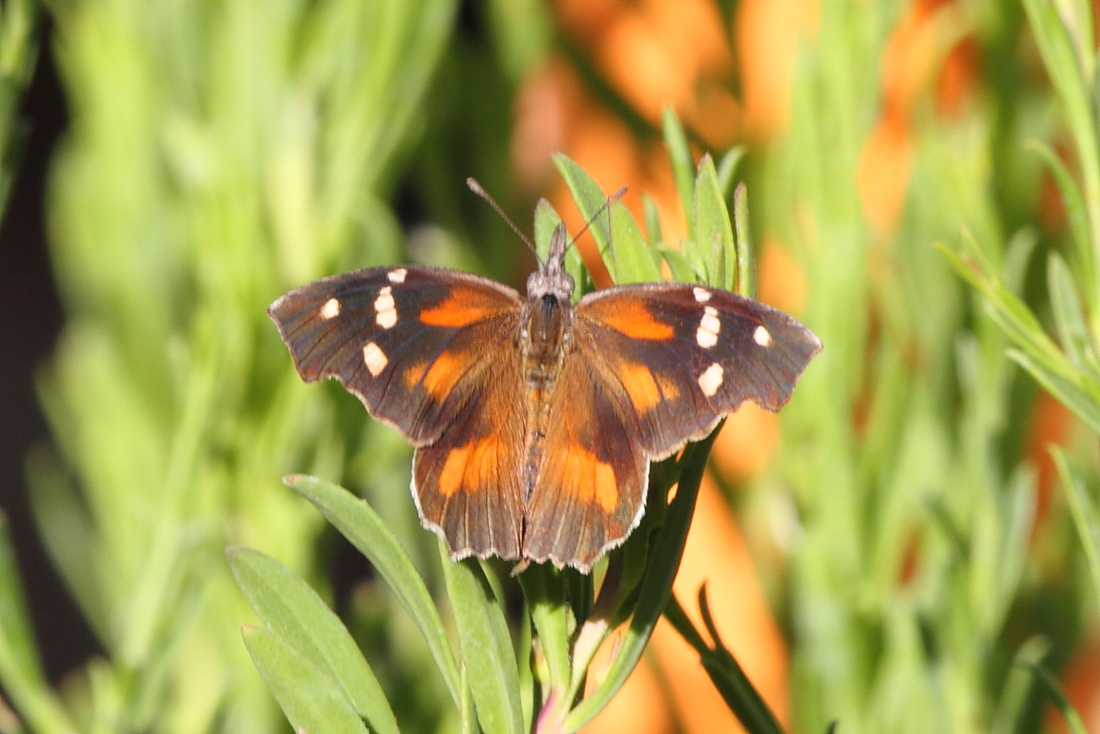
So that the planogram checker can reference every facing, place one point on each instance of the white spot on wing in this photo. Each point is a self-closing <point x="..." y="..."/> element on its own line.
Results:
<point x="386" y="319"/>
<point x="707" y="333"/>
<point x="384" y="302"/>
<point x="386" y="309"/>
<point x="711" y="380"/>
<point x="701" y="295"/>
<point x="374" y="358"/>
<point x="330" y="310"/>
<point x="397" y="276"/>
<point x="762" y="337"/>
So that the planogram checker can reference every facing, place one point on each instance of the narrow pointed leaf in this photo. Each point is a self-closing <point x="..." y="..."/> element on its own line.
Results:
<point x="683" y="163"/>
<point x="1085" y="513"/>
<point x="746" y="263"/>
<point x="679" y="265"/>
<point x="1076" y="212"/>
<point x="727" y="169"/>
<point x="1050" y="684"/>
<point x="290" y="608"/>
<point x="360" y="524"/>
<point x="713" y="231"/>
<point x="1084" y="405"/>
<point x="590" y="199"/>
<point x="1069" y="319"/>
<point x="485" y="644"/>
<point x="311" y="700"/>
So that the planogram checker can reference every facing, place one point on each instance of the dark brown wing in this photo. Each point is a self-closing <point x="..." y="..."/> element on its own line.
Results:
<point x="468" y="483"/>
<point x="433" y="353"/>
<point x="402" y="339"/>
<point x="653" y="366"/>
<point x="592" y="478"/>
<point x="684" y="356"/>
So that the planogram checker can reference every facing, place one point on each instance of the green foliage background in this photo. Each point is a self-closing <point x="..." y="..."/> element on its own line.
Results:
<point x="223" y="152"/>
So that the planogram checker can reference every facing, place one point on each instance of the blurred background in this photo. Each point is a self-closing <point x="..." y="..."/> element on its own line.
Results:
<point x="884" y="554"/>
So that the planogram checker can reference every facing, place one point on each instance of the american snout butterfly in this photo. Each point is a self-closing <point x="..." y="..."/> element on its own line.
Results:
<point x="534" y="420"/>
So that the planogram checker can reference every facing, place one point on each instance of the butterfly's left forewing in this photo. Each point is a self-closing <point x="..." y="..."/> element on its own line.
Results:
<point x="687" y="355"/>
<point x="652" y="367"/>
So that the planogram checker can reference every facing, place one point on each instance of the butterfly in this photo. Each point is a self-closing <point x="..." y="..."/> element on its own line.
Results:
<point x="534" y="420"/>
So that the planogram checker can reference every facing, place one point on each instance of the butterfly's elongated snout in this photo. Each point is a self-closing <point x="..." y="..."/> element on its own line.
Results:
<point x="534" y="420"/>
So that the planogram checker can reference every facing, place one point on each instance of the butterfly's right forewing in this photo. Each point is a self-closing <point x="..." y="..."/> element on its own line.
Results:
<point x="408" y="341"/>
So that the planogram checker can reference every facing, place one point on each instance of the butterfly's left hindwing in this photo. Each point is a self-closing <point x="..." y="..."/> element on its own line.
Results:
<point x="592" y="480"/>
<point x="408" y="341"/>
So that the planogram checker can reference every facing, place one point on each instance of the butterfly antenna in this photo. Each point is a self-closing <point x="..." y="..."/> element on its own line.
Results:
<point x="606" y="207"/>
<point x="476" y="188"/>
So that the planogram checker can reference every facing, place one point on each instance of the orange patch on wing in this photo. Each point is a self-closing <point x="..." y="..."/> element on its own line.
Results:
<point x="415" y="373"/>
<point x="484" y="464"/>
<point x="640" y="386"/>
<point x="444" y="373"/>
<point x="588" y="479"/>
<point x="454" y="468"/>
<point x="669" y="388"/>
<point x="461" y="309"/>
<point x="633" y="319"/>
<point x="607" y="489"/>
<point x="471" y="468"/>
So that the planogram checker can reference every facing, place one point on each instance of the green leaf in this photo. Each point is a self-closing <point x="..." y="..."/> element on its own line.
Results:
<point x="543" y="588"/>
<point x="21" y="673"/>
<point x="683" y="163"/>
<point x="293" y="611"/>
<point x="17" y="646"/>
<point x="713" y="231"/>
<point x="358" y="522"/>
<point x="635" y="262"/>
<point x="1063" y="65"/>
<point x="1042" y="356"/>
<point x="746" y="264"/>
<point x="727" y="169"/>
<point x="1083" y="404"/>
<point x="1054" y="690"/>
<point x="679" y="265"/>
<point x="652" y="219"/>
<point x="310" y="699"/>
<point x="625" y="253"/>
<point x="590" y="200"/>
<point x="1012" y="705"/>
<point x="1076" y="213"/>
<point x="1085" y="513"/>
<point x="1068" y="316"/>
<point x="723" y="669"/>
<point x="656" y="586"/>
<point x="486" y="645"/>
<point x="68" y="533"/>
